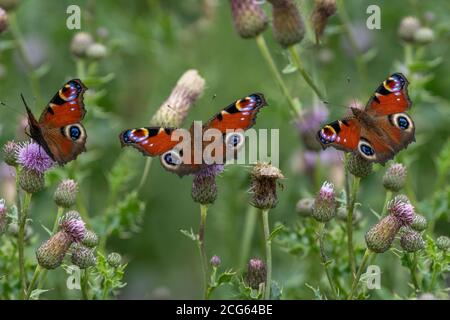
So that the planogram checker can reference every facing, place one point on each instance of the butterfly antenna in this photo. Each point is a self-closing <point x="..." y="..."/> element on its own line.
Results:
<point x="25" y="103"/>
<point x="11" y="108"/>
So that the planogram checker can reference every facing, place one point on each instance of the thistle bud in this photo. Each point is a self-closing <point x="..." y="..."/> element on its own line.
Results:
<point x="248" y="17"/>
<point x="408" y="27"/>
<point x="305" y="207"/>
<point x="80" y="43"/>
<point x="358" y="166"/>
<point x="175" y="109"/>
<point x="215" y="261"/>
<point x="52" y="252"/>
<point x="90" y="239"/>
<point x="325" y="204"/>
<point x="9" y="153"/>
<point x="31" y="181"/>
<point x="204" y="187"/>
<point x="411" y="241"/>
<point x="114" y="259"/>
<point x="443" y="243"/>
<point x="379" y="238"/>
<point x="96" y="51"/>
<point x="419" y="222"/>
<point x="322" y="11"/>
<point x="264" y="185"/>
<point x="395" y="177"/>
<point x="424" y="36"/>
<point x="3" y="216"/>
<point x="256" y="273"/>
<point x="402" y="210"/>
<point x="83" y="257"/>
<point x="65" y="194"/>
<point x="288" y="26"/>
<point x="3" y="20"/>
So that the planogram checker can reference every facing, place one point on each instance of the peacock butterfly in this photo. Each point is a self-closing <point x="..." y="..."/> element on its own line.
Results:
<point x="59" y="131"/>
<point x="230" y="123"/>
<point x="380" y="130"/>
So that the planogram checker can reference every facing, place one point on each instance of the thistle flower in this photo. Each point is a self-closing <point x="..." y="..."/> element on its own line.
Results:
<point x="288" y="26"/>
<point x="33" y="157"/>
<point x="114" y="259"/>
<point x="379" y="238"/>
<point x="256" y="273"/>
<point x="358" y="166"/>
<point x="175" y="109"/>
<point x="322" y="11"/>
<point x="31" y="181"/>
<point x="305" y="207"/>
<point x="69" y="215"/>
<point x="96" y="51"/>
<point x="3" y="20"/>
<point x="80" y="43"/>
<point x="74" y="228"/>
<point x="52" y="252"/>
<point x="310" y="123"/>
<point x="65" y="194"/>
<point x="215" y="261"/>
<point x="264" y="185"/>
<point x="411" y="241"/>
<point x="443" y="243"/>
<point x="408" y="28"/>
<point x="204" y="187"/>
<point x="419" y="222"/>
<point x="10" y="154"/>
<point x="90" y="239"/>
<point x="402" y="210"/>
<point x="82" y="257"/>
<point x="3" y="216"/>
<point x="395" y="177"/>
<point x="325" y="204"/>
<point x="248" y="17"/>
<point x="424" y="36"/>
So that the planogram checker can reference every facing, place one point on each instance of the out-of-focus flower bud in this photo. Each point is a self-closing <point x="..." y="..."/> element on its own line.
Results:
<point x="288" y="26"/>
<point x="66" y="193"/>
<point x="395" y="177"/>
<point x="408" y="28"/>
<point x="248" y="17"/>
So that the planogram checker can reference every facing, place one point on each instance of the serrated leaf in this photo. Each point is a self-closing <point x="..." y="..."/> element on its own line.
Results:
<point x="190" y="234"/>
<point x="225" y="277"/>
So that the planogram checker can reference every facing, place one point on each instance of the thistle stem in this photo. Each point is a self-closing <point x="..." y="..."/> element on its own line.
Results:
<point x="324" y="258"/>
<point x="268" y="241"/>
<point x="249" y="229"/>
<point x="413" y="270"/>
<point x="350" y="210"/>
<point x="21" y="241"/>
<point x="386" y="201"/>
<point x="84" y="284"/>
<point x="201" y="247"/>
<point x="295" y="56"/>
<point x="37" y="271"/>
<point x="365" y="258"/>
<point x="296" y="108"/>
<point x="148" y="164"/>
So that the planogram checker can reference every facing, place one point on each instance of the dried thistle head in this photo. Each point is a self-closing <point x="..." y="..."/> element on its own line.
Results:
<point x="183" y="96"/>
<point x="288" y="26"/>
<point x="264" y="185"/>
<point x="248" y="17"/>
<point x="323" y="10"/>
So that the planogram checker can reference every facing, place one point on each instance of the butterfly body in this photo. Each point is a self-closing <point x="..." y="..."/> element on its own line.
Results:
<point x="58" y="130"/>
<point x="222" y="134"/>
<point x="380" y="130"/>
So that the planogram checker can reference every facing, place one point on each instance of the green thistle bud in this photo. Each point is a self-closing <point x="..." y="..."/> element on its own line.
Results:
<point x="443" y="243"/>
<point x="325" y="204"/>
<point x="96" y="51"/>
<point x="358" y="166"/>
<point x="80" y="43"/>
<point x="419" y="223"/>
<point x="424" y="36"/>
<point x="322" y="11"/>
<point x="264" y="185"/>
<point x="411" y="241"/>
<point x="9" y="152"/>
<point x="66" y="193"/>
<point x="51" y="253"/>
<point x="305" y="207"/>
<point x="288" y="26"/>
<point x="83" y="257"/>
<point x="380" y="237"/>
<point x="395" y="177"/>
<point x="90" y="239"/>
<point x="256" y="273"/>
<point x="114" y="259"/>
<point x="408" y="27"/>
<point x="3" y="20"/>
<point x="175" y="109"/>
<point x="215" y="261"/>
<point x="248" y="17"/>
<point x="342" y="213"/>
<point x="31" y="181"/>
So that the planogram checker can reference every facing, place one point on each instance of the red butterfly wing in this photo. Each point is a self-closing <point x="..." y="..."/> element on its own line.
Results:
<point x="151" y="141"/>
<point x="342" y="134"/>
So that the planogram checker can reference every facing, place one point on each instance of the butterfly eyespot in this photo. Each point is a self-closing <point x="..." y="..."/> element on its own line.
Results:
<point x="75" y="132"/>
<point x="366" y="150"/>
<point x="327" y="135"/>
<point x="402" y="121"/>
<point x="171" y="159"/>
<point x="234" y="140"/>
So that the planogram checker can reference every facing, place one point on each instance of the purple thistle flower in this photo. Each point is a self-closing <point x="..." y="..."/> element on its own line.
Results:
<point x="75" y="228"/>
<point x="313" y="119"/>
<point x="402" y="210"/>
<point x="210" y="170"/>
<point x="327" y="191"/>
<point x="33" y="157"/>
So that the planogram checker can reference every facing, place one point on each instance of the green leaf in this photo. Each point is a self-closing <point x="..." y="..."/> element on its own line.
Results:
<point x="275" y="232"/>
<point x="35" y="294"/>
<point x="225" y="277"/>
<point x="290" y="68"/>
<point x="190" y="234"/>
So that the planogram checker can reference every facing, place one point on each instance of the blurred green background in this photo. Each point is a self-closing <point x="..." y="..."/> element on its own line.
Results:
<point x="150" y="45"/>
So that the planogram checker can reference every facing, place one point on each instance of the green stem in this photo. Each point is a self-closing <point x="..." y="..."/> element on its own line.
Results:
<point x="413" y="273"/>
<point x="201" y="247"/>
<point x="296" y="108"/>
<point x="84" y="284"/>
<point x="249" y="229"/>
<point x="298" y="63"/>
<point x="37" y="271"/>
<point x="365" y="258"/>
<point x="386" y="201"/>
<point x="21" y="241"/>
<point x="265" y="216"/>
<point x="148" y="164"/>
<point x="81" y="68"/>
<point x="324" y="258"/>
<point x="350" y="210"/>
